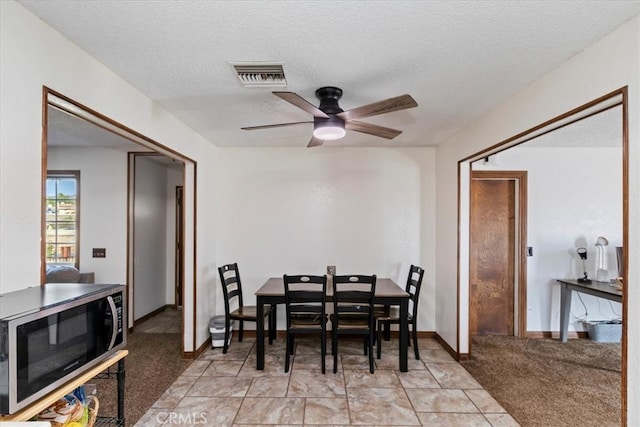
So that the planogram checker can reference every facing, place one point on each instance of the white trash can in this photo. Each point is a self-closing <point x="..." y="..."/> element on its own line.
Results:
<point x="216" y="328"/>
<point x="603" y="330"/>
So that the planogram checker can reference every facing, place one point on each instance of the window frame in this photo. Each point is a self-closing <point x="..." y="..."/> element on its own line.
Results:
<point x="68" y="174"/>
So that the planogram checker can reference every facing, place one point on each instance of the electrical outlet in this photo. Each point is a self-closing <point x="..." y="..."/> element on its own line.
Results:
<point x="99" y="252"/>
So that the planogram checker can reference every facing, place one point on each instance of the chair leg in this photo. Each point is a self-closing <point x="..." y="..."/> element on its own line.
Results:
<point x="225" y="346"/>
<point x="323" y="350"/>
<point x="371" y="362"/>
<point x="241" y="329"/>
<point x="415" y="340"/>
<point x="379" y="339"/>
<point x="334" y="348"/>
<point x="291" y="343"/>
<point x="333" y="345"/>
<point x="287" y="353"/>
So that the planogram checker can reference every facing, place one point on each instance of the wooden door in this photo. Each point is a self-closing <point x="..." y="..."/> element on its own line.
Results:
<point x="492" y="257"/>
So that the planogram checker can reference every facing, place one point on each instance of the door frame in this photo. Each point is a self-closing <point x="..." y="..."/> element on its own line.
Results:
<point x="81" y="111"/>
<point x="615" y="98"/>
<point x="520" y="258"/>
<point x="132" y="157"/>
<point x="178" y="248"/>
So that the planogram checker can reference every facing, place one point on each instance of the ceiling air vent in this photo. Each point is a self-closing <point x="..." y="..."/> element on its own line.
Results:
<point x="260" y="75"/>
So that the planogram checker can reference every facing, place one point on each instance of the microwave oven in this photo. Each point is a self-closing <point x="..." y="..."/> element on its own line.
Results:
<point x="50" y="334"/>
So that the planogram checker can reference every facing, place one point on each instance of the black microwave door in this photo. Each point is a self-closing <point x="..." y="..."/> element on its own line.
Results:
<point x="51" y="347"/>
<point x="108" y="329"/>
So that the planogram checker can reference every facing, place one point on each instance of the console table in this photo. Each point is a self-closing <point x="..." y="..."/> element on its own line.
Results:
<point x="602" y="290"/>
<point x="103" y="370"/>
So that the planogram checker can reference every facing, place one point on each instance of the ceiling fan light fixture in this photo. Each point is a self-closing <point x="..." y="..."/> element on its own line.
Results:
<point x="328" y="129"/>
<point x="330" y="122"/>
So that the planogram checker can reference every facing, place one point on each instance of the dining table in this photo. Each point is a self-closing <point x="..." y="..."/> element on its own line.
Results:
<point x="387" y="293"/>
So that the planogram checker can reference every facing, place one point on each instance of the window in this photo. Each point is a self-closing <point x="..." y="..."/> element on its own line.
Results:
<point x="62" y="217"/>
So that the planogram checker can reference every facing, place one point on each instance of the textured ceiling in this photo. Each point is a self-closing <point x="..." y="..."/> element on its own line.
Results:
<point x="457" y="59"/>
<point x="600" y="130"/>
<point x="66" y="130"/>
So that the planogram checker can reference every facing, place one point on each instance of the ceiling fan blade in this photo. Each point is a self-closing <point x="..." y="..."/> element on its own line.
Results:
<point x="371" y="129"/>
<point x="401" y="102"/>
<point x="275" y="126"/>
<point x="300" y="102"/>
<point x="315" y="142"/>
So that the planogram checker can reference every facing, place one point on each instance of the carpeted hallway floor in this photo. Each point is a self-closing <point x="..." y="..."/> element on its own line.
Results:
<point x="153" y="364"/>
<point x="543" y="382"/>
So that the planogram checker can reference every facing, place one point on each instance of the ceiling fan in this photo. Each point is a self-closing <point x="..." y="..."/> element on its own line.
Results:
<point x="330" y="122"/>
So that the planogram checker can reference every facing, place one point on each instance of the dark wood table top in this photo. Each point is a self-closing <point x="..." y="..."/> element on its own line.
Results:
<point x="385" y="288"/>
<point x="594" y="286"/>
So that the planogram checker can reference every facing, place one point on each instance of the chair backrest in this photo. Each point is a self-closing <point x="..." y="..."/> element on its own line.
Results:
<point x="414" y="282"/>
<point x="305" y="295"/>
<point x="231" y="285"/>
<point x="353" y="294"/>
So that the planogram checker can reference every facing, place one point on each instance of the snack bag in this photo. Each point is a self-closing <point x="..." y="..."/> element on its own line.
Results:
<point x="66" y="410"/>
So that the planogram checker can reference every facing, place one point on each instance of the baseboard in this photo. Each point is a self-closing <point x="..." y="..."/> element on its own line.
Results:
<point x="457" y="356"/>
<point x="193" y="355"/>
<point x="280" y="334"/>
<point x="421" y="334"/>
<point x="427" y="334"/>
<point x="556" y="334"/>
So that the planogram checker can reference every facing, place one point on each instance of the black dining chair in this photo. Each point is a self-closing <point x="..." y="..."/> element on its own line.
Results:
<point x="305" y="301"/>
<point x="232" y="291"/>
<point x="353" y="312"/>
<point x="392" y="315"/>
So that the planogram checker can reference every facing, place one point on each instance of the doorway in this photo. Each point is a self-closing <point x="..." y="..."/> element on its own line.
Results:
<point x="564" y="153"/>
<point x="94" y="132"/>
<point x="497" y="267"/>
<point x="153" y="218"/>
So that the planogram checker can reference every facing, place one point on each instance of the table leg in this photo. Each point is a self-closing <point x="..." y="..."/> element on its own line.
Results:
<point x="404" y="334"/>
<point x="274" y="322"/>
<point x="565" y="309"/>
<point x="259" y="334"/>
<point x="120" y="378"/>
<point x="387" y="325"/>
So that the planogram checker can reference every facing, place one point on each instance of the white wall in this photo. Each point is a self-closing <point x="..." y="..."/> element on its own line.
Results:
<point x="32" y="55"/>
<point x="150" y="230"/>
<point x="103" y="215"/>
<point x="609" y="64"/>
<point x="297" y="210"/>
<point x="103" y="207"/>
<point x="574" y="196"/>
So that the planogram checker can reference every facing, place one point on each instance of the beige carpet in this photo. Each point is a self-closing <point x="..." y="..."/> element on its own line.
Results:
<point x="543" y="382"/>
<point x="153" y="364"/>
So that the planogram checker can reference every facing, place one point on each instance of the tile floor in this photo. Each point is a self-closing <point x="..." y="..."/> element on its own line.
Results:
<point x="226" y="390"/>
